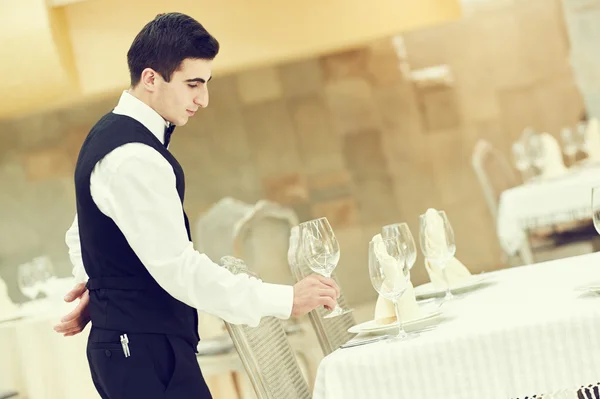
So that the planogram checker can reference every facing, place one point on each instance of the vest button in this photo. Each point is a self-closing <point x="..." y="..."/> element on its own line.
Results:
<point x="107" y="353"/>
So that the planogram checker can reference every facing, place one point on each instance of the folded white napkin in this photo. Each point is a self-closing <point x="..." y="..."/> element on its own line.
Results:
<point x="553" y="164"/>
<point x="592" y="140"/>
<point x="384" y="309"/>
<point x="436" y="238"/>
<point x="457" y="273"/>
<point x="6" y="304"/>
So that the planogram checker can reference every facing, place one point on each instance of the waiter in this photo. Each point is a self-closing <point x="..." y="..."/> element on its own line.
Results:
<point x="131" y="235"/>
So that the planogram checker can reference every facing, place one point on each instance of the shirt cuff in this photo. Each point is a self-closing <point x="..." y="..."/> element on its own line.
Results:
<point x="277" y="300"/>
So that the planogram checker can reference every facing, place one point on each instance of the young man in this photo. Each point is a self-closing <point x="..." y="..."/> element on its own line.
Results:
<point x="131" y="235"/>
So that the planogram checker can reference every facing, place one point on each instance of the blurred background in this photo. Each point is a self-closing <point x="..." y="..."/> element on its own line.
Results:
<point x="367" y="113"/>
<point x="319" y="107"/>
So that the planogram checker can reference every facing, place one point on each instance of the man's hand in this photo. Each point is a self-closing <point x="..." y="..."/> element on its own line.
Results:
<point x="75" y="322"/>
<point x="312" y="292"/>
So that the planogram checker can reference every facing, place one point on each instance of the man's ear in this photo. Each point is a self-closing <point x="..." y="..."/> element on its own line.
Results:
<point x="149" y="79"/>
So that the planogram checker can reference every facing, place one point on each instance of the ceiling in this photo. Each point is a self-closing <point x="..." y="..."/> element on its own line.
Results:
<point x="64" y="51"/>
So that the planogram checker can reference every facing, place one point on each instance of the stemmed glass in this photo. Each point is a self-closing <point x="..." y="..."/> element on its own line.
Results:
<point x="319" y="247"/>
<point x="536" y="152"/>
<point x="569" y="144"/>
<point x="437" y="243"/>
<point x="390" y="274"/>
<point x="44" y="274"/>
<point x="407" y="242"/>
<point x="27" y="281"/>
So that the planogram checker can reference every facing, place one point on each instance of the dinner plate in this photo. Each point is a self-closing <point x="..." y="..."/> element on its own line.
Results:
<point x="372" y="326"/>
<point x="428" y="290"/>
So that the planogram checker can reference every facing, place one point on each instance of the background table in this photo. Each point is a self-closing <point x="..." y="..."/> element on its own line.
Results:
<point x="554" y="201"/>
<point x="38" y="362"/>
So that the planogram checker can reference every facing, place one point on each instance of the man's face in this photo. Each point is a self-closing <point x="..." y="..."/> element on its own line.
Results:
<point x="178" y="100"/>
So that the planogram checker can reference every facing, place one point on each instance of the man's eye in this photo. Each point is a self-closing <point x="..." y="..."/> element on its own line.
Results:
<point x="193" y="86"/>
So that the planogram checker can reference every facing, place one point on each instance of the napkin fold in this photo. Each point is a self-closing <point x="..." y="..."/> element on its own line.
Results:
<point x="553" y="164"/>
<point x="384" y="308"/>
<point x="592" y="140"/>
<point x="436" y="238"/>
<point x="456" y="271"/>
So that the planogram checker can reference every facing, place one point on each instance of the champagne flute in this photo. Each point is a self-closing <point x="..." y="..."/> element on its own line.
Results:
<point x="390" y="274"/>
<point x="437" y="243"/>
<point x="319" y="247"/>
<point x="406" y="240"/>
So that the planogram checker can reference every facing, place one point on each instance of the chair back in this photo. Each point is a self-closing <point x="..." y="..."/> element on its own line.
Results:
<point x="266" y="354"/>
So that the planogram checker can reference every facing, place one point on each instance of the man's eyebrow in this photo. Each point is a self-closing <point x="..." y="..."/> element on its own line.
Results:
<point x="198" y="80"/>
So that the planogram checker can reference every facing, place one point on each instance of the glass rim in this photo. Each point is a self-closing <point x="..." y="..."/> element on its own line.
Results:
<point x="313" y="220"/>
<point x="394" y="224"/>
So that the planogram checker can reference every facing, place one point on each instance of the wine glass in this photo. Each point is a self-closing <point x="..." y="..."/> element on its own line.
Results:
<point x="44" y="274"/>
<point x="390" y="274"/>
<point x="596" y="208"/>
<point x="437" y="243"/>
<point x="536" y="152"/>
<point x="27" y="281"/>
<point x="319" y="247"/>
<point x="569" y="144"/>
<point x="406" y="240"/>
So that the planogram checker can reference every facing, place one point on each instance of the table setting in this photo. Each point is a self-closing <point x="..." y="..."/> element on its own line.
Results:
<point x="511" y="333"/>
<point x="421" y="308"/>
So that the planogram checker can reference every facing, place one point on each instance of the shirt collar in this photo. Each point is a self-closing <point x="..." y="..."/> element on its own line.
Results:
<point x="134" y="108"/>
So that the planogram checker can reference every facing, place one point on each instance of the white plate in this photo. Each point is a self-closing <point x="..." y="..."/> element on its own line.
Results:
<point x="372" y="326"/>
<point x="429" y="291"/>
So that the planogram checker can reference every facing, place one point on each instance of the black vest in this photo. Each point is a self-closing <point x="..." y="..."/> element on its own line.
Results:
<point x="123" y="294"/>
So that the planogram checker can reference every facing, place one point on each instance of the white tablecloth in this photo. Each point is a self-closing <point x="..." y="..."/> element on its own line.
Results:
<point x="40" y="363"/>
<point x="551" y="201"/>
<point x="529" y="332"/>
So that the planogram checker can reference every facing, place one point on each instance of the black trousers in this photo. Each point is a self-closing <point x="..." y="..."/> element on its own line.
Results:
<point x="160" y="367"/>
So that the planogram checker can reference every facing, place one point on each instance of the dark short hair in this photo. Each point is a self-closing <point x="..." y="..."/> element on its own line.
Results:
<point x="165" y="42"/>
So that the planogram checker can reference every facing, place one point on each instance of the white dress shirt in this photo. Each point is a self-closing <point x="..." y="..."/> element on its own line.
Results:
<point x="135" y="186"/>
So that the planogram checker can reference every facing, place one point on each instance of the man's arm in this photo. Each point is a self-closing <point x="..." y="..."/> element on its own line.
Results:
<point x="72" y="241"/>
<point x="135" y="186"/>
<point x="75" y="322"/>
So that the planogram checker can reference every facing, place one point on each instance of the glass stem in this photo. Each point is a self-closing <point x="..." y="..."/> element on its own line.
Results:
<point x="449" y="295"/>
<point x="401" y="333"/>
<point x="337" y="309"/>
